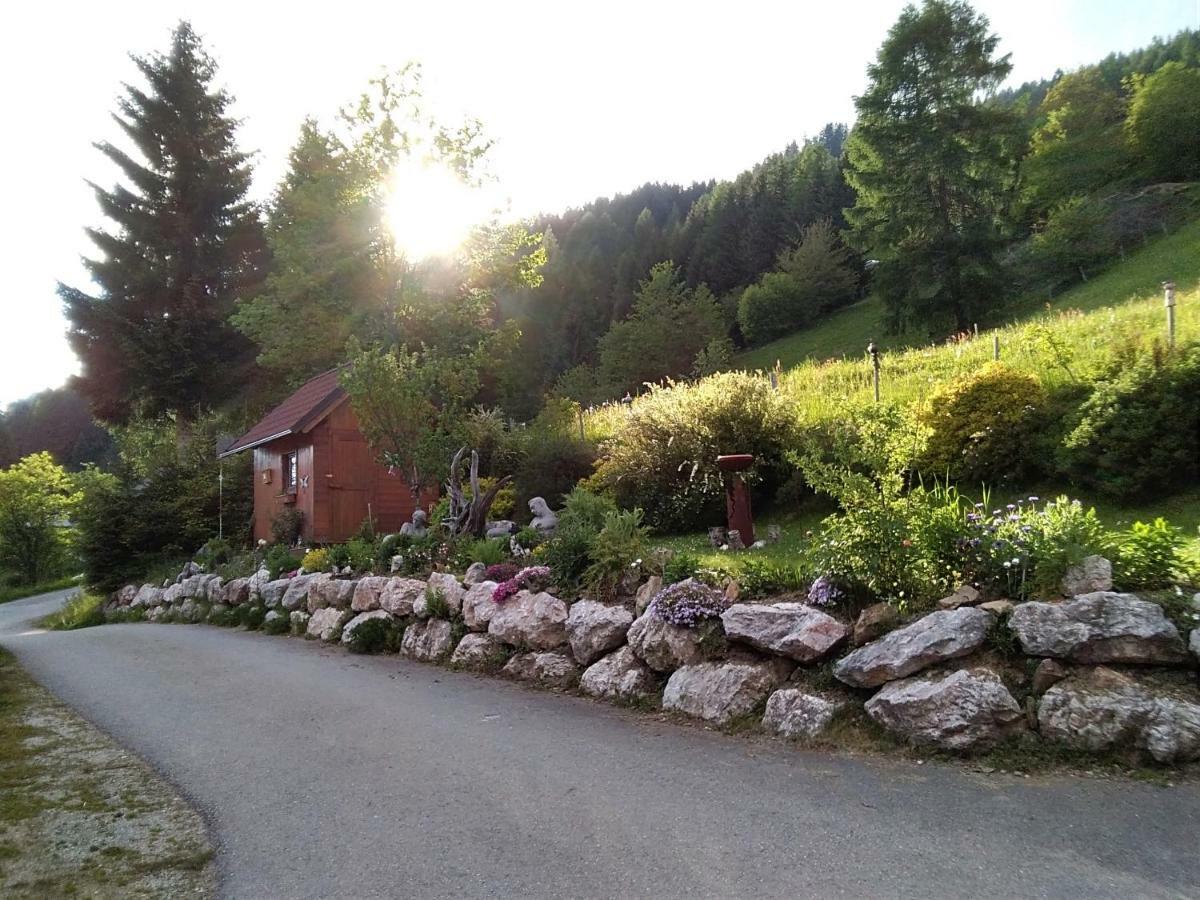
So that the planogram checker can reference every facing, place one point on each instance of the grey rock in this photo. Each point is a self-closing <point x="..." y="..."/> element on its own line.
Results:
<point x="212" y="588"/>
<point x="334" y="592"/>
<point x="874" y="622"/>
<point x="476" y="572"/>
<point x="967" y="709"/>
<point x="998" y="607"/>
<point x="1102" y="627"/>
<point x="477" y="651"/>
<point x="296" y="595"/>
<point x="217" y="610"/>
<point x="797" y="713"/>
<point x="155" y="613"/>
<point x="430" y="640"/>
<point x="794" y="630"/>
<point x="478" y="606"/>
<point x="400" y="595"/>
<point x="721" y="691"/>
<point x="273" y="615"/>
<point x="172" y="594"/>
<point x="349" y="628"/>
<point x="544" y="667"/>
<point x="646" y="593"/>
<point x="258" y="581"/>
<point x="298" y="619"/>
<point x="664" y="647"/>
<point x="1099" y="709"/>
<point x="594" y="628"/>
<point x="1093" y="574"/>
<point x="125" y="595"/>
<point x="367" y="591"/>
<point x="189" y="569"/>
<point x="191" y="587"/>
<point x="237" y="591"/>
<point x="964" y="596"/>
<point x="1048" y="673"/>
<point x="448" y="586"/>
<point x="937" y="637"/>
<point x="272" y="592"/>
<point x="326" y="624"/>
<point x="533" y="621"/>
<point x="147" y="596"/>
<point x="619" y="676"/>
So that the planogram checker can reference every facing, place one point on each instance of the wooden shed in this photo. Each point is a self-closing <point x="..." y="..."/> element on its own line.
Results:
<point x="310" y="455"/>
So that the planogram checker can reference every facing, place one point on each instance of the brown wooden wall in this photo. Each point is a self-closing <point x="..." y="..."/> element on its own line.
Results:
<point x="339" y="480"/>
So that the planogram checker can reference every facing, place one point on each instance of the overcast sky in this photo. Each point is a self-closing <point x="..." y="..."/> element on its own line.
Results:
<point x="582" y="100"/>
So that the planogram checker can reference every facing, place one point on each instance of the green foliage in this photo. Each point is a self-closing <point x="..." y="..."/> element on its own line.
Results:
<point x="814" y="278"/>
<point x="279" y="559"/>
<point x="662" y="454"/>
<point x="763" y="578"/>
<point x="360" y="554"/>
<point x="933" y="165"/>
<point x="1147" y="556"/>
<point x="486" y="551"/>
<point x="435" y="604"/>
<point x="316" y="560"/>
<point x="286" y="526"/>
<point x="582" y="518"/>
<point x="37" y="499"/>
<point x="253" y="616"/>
<point x="215" y="552"/>
<point x="82" y="610"/>
<point x="280" y="624"/>
<point x="184" y="240"/>
<point x="378" y="635"/>
<point x="1164" y="123"/>
<point x="615" y="551"/>
<point x="680" y="567"/>
<point x="1136" y="435"/>
<point x="982" y="427"/>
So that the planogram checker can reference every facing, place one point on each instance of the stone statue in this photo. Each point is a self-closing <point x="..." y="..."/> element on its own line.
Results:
<point x="415" y="528"/>
<point x="544" y="519"/>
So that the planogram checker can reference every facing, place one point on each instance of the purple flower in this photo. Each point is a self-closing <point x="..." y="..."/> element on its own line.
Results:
<point x="824" y="592"/>
<point x="687" y="603"/>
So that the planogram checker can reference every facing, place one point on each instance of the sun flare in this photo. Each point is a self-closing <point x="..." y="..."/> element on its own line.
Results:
<point x="430" y="211"/>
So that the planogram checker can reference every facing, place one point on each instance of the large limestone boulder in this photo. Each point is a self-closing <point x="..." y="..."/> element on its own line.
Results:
<point x="326" y="623"/>
<point x="192" y="610"/>
<point x="212" y="588"/>
<point x="939" y="636"/>
<point x="296" y="595"/>
<point x="367" y="591"/>
<point x="968" y="709"/>
<point x="399" y="595"/>
<point x="172" y="594"/>
<point x="349" y="628"/>
<point x="533" y="621"/>
<point x="237" y="592"/>
<point x="148" y="596"/>
<point x="1101" y="627"/>
<point x="1093" y="574"/>
<point x="1099" y="709"/>
<point x="273" y="591"/>
<point x="721" y="691"/>
<point x="125" y="595"/>
<point x="620" y="676"/>
<point x="646" y="593"/>
<point x="544" y="667"/>
<point x="665" y="647"/>
<point x="258" y="581"/>
<point x="595" y="628"/>
<point x="477" y="651"/>
<point x="431" y="640"/>
<point x="794" y="630"/>
<point x="191" y="587"/>
<point x="476" y="573"/>
<point x="332" y="592"/>
<point x="448" y="586"/>
<point x="798" y="713"/>
<point x="478" y="606"/>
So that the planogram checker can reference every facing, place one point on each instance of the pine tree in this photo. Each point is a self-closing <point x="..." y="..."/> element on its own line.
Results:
<point x="933" y="164"/>
<point x="155" y="338"/>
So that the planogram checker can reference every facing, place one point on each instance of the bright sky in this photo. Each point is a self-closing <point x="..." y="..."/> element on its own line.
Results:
<point x="583" y="100"/>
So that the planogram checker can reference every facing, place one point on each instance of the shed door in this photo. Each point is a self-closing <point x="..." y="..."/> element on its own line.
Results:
<point x="350" y="486"/>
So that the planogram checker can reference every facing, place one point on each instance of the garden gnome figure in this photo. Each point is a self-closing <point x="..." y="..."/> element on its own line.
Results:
<point x="415" y="528"/>
<point x="544" y="519"/>
<point x="737" y="496"/>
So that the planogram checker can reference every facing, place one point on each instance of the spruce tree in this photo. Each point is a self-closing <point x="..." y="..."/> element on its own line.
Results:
<point x="154" y="336"/>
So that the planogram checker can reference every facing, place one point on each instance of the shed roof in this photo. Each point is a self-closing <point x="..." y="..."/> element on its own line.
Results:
<point x="307" y="405"/>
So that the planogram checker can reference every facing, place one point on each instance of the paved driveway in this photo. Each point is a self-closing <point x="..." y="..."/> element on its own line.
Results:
<point x="323" y="774"/>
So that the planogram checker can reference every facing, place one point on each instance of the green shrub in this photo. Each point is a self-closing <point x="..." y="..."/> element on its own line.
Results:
<point x="281" y="624"/>
<point x="552" y="465"/>
<point x="762" y="578"/>
<point x="435" y="604"/>
<point x="615" y="551"/>
<point x="316" y="560"/>
<point x="1146" y="557"/>
<point x="1138" y="434"/>
<point x="253" y="616"/>
<point x="214" y="553"/>
<point x="982" y="426"/>
<point x="80" y="611"/>
<point x="279" y="559"/>
<point x="385" y="549"/>
<point x="680" y="567"/>
<point x="360" y="554"/>
<point x="285" y="527"/>
<point x="488" y="551"/>
<point x="662" y="455"/>
<point x="568" y="553"/>
<point x="377" y="636"/>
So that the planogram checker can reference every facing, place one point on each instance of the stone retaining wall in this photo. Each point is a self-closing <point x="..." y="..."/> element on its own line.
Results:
<point x="1096" y="672"/>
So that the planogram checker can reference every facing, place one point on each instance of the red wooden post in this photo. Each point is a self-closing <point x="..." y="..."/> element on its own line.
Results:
<point x="737" y="495"/>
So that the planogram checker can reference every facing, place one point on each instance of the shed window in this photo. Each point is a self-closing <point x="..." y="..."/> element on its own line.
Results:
<point x="289" y="473"/>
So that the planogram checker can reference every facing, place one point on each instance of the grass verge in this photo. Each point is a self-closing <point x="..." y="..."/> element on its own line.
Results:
<point x="20" y="592"/>
<point x="80" y="611"/>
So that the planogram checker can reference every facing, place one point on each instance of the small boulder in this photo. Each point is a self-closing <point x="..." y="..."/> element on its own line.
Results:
<point x="172" y="594"/>
<point x="335" y="592"/>
<point x="1048" y="673"/>
<point x="477" y="651"/>
<point x="349" y="628"/>
<point x="125" y="595"/>
<point x="367" y="591"/>
<point x="547" y="668"/>
<point x="998" y="607"/>
<point x="147" y="596"/>
<point x="325" y="624"/>
<point x="646" y="593"/>
<point x="937" y="637"/>
<point x="594" y="628"/>
<point x="1099" y="628"/>
<point x="874" y="622"/>
<point x="273" y="591"/>
<point x="217" y="611"/>
<point x="400" y="595"/>
<point x="272" y="616"/>
<point x="237" y="591"/>
<point x="797" y="713"/>
<point x="298" y="619"/>
<point x="192" y="611"/>
<point x="964" y="596"/>
<point x="431" y="640"/>
<point x="968" y="709"/>
<point x="478" y="606"/>
<point x="447" y="585"/>
<point x="665" y="647"/>
<point x="191" y="587"/>
<point x="296" y="595"/>
<point x="619" y="676"/>
<point x="476" y="572"/>
<point x="1093" y="574"/>
<point x="258" y="581"/>
<point x="212" y="588"/>
<point x="533" y="621"/>
<point x="794" y="630"/>
<point x="721" y="691"/>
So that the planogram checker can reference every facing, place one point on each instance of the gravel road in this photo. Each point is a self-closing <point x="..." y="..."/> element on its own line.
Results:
<point x="323" y="774"/>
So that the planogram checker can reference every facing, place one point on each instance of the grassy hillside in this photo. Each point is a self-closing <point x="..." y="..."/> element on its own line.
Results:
<point x="846" y="333"/>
